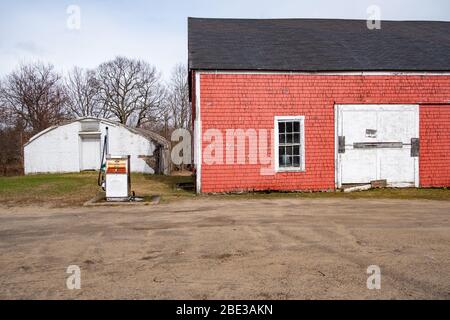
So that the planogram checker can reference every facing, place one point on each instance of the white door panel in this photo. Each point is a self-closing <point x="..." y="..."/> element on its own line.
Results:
<point x="355" y="123"/>
<point x="359" y="167"/>
<point x="378" y="124"/>
<point x="397" y="165"/>
<point x="90" y="153"/>
<point x="396" y="126"/>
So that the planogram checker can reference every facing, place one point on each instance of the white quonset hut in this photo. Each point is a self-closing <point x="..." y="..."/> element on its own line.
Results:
<point x="77" y="145"/>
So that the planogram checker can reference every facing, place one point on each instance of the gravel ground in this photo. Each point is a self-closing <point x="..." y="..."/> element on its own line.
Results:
<point x="222" y="249"/>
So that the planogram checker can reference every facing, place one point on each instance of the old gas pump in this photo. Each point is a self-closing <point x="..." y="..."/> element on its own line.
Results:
<point x="117" y="178"/>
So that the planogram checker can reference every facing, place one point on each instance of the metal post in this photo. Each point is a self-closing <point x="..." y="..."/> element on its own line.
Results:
<point x="107" y="142"/>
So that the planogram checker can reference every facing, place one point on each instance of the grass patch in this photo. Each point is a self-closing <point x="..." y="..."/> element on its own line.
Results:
<point x="51" y="189"/>
<point x="162" y="185"/>
<point x="73" y="189"/>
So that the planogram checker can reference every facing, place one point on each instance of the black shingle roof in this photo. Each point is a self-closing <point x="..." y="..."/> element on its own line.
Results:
<point x="317" y="45"/>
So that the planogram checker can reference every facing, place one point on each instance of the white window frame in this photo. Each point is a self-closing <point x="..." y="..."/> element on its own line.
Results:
<point x="302" y="143"/>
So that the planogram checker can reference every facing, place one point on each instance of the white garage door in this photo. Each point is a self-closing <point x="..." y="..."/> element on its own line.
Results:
<point x="377" y="142"/>
<point x="90" y="153"/>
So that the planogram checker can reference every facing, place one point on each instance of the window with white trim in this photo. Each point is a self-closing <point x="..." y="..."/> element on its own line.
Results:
<point x="289" y="143"/>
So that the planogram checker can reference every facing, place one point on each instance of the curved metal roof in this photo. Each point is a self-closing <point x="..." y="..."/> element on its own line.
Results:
<point x="149" y="135"/>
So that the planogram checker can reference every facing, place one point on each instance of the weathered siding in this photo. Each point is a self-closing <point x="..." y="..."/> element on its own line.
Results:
<point x="434" y="145"/>
<point x="242" y="101"/>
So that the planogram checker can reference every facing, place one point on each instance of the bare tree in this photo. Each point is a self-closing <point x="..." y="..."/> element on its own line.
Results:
<point x="4" y="114"/>
<point x="12" y="137"/>
<point x="178" y="98"/>
<point x="152" y="94"/>
<point x="131" y="90"/>
<point x="34" y="94"/>
<point x="82" y="89"/>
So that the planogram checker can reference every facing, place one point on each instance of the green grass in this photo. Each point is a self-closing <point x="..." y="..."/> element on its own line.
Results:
<point x="73" y="189"/>
<point x="50" y="183"/>
<point x="76" y="188"/>
<point x="51" y="189"/>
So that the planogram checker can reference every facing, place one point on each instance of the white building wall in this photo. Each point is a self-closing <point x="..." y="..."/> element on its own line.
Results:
<point x="58" y="150"/>
<point x="124" y="142"/>
<point x="54" y="151"/>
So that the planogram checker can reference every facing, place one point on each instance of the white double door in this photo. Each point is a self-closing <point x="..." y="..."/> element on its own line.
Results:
<point x="377" y="144"/>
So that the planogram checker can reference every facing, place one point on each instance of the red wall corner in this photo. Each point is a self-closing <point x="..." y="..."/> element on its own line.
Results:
<point x="434" y="160"/>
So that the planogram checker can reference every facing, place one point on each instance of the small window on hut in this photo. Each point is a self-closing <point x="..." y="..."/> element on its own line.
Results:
<point x="289" y="143"/>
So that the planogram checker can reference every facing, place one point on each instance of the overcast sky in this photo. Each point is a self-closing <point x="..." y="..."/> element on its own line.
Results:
<point x="156" y="31"/>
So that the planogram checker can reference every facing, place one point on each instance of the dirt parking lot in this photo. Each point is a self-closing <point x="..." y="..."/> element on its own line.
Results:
<point x="214" y="249"/>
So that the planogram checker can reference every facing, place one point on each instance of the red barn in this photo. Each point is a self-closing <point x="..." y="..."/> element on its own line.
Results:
<point x="314" y="104"/>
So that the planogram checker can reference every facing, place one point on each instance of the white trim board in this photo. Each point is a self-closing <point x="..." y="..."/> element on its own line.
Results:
<point x="198" y="135"/>
<point x="302" y="143"/>
<point x="325" y="73"/>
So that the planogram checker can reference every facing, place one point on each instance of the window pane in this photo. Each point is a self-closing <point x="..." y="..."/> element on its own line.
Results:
<point x="289" y="161"/>
<point x="296" y="137"/>
<point x="282" y="150"/>
<point x="281" y="127"/>
<point x="296" y="161"/>
<point x="288" y="127"/>
<point x="288" y="137"/>
<point x="281" y="162"/>
<point x="296" y="150"/>
<point x="282" y="138"/>
<point x="289" y="150"/>
<point x="296" y="126"/>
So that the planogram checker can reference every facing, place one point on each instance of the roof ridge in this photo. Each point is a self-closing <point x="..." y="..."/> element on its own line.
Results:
<point x="307" y="19"/>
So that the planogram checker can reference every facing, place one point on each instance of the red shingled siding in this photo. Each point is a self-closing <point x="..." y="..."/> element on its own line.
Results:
<point x="241" y="101"/>
<point x="434" y="163"/>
